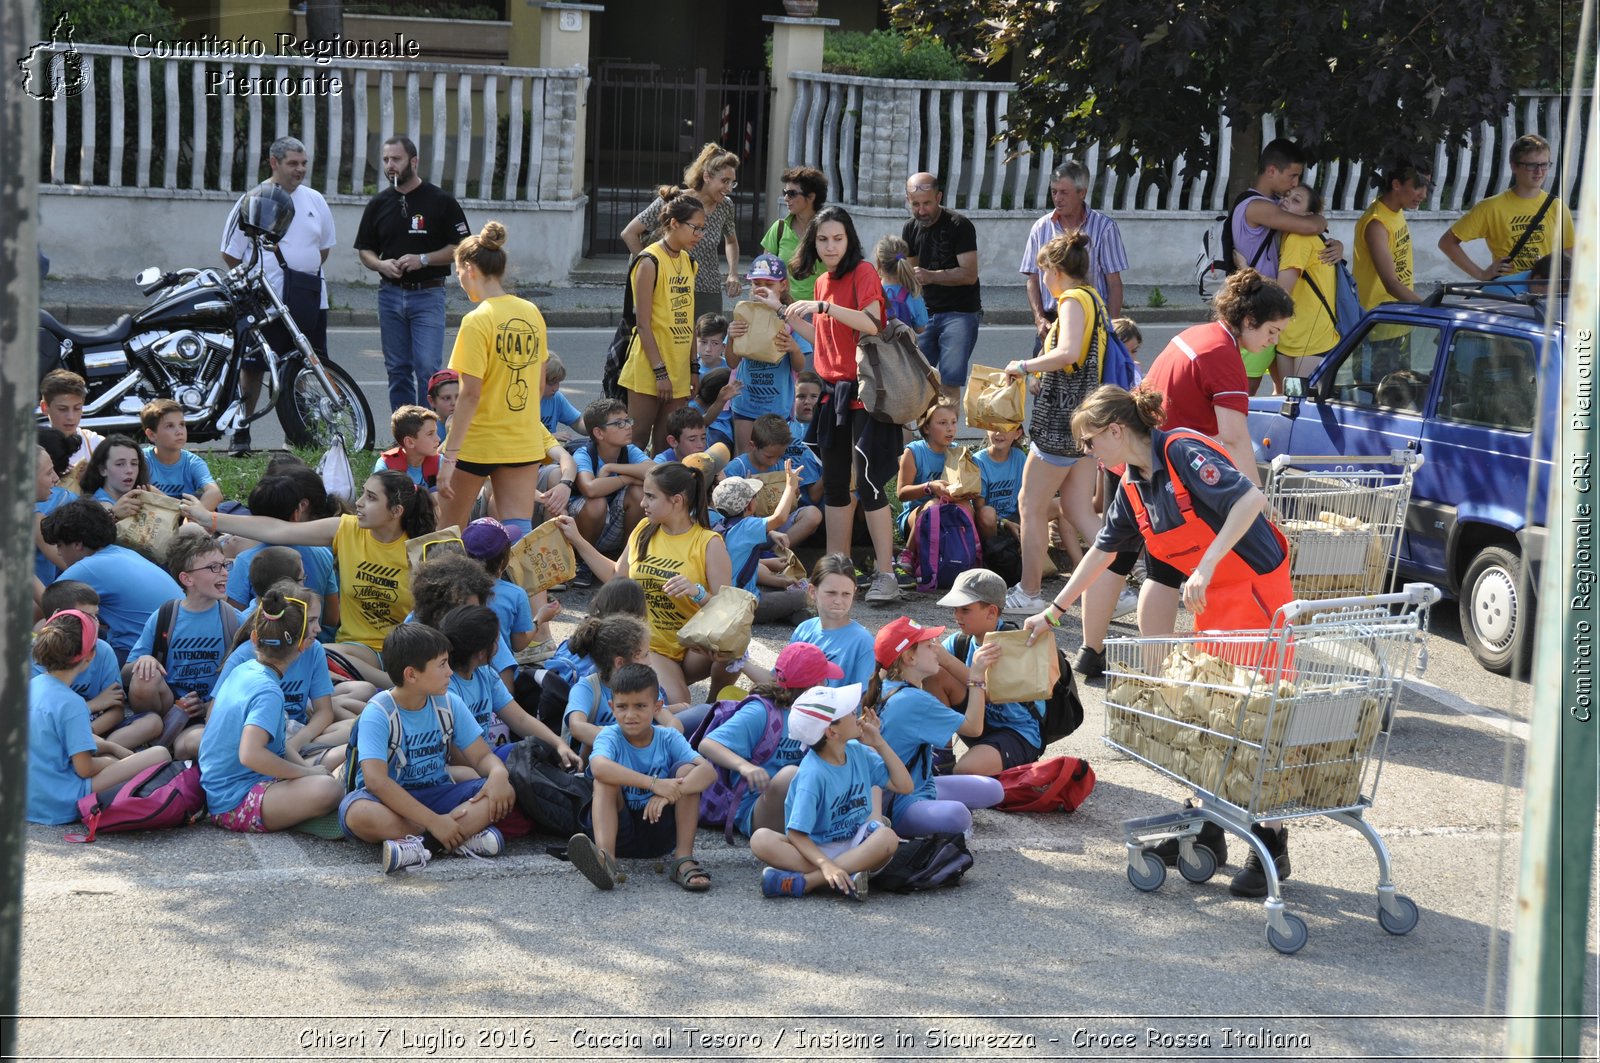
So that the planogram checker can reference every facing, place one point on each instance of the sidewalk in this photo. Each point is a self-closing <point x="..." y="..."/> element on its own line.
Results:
<point x="81" y="302"/>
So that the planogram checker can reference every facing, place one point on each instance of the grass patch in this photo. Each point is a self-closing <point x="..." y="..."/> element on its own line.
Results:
<point x="238" y="476"/>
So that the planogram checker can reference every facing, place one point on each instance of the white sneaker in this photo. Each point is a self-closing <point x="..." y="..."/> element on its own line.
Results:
<point x="407" y="852"/>
<point x="1127" y="602"/>
<point x="885" y="590"/>
<point x="1020" y="602"/>
<point x="484" y="844"/>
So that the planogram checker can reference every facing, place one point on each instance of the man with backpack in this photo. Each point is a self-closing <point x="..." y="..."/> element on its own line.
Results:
<point x="944" y="257"/>
<point x="1256" y="219"/>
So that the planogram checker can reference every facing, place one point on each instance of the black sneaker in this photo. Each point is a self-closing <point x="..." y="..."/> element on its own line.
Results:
<point x="1091" y="664"/>
<point x="584" y="579"/>
<point x="1211" y="836"/>
<point x="1252" y="880"/>
<point x="239" y="446"/>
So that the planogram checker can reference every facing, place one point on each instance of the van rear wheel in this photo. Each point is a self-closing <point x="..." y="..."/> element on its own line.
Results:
<point x="1497" y="610"/>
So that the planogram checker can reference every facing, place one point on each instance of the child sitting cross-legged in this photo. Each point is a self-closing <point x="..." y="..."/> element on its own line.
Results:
<point x="647" y="784"/>
<point x="66" y="761"/>
<point x="769" y="442"/>
<point x="415" y="430"/>
<point x="922" y="466"/>
<point x="254" y="782"/>
<point x="835" y="834"/>
<point x="611" y="643"/>
<point x="175" y="472"/>
<point x="405" y="798"/>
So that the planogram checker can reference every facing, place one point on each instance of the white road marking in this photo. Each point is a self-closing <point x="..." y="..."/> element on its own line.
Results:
<point x="1456" y="703"/>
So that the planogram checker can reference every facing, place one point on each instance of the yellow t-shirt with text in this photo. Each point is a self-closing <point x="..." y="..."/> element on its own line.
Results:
<point x="1312" y="329"/>
<point x="1369" y="286"/>
<point x="671" y="323"/>
<point x="502" y="342"/>
<point x="666" y="556"/>
<point x="1500" y="221"/>
<point x="374" y="584"/>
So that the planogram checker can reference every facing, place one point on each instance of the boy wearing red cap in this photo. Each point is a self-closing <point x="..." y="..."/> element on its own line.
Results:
<point x="444" y="387"/>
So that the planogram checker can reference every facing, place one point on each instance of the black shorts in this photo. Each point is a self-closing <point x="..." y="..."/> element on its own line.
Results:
<point x="482" y="468"/>
<point x="1014" y="750"/>
<point x="639" y="839"/>
<point x="860" y="447"/>
<point x="1154" y="569"/>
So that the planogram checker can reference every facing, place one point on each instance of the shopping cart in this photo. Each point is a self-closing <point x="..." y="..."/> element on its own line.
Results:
<point x="1343" y="518"/>
<point x="1270" y="725"/>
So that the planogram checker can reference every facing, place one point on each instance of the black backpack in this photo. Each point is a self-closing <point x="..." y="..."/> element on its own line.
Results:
<point x="1063" y="711"/>
<point x="621" y="340"/>
<point x="554" y="799"/>
<point x="929" y="863"/>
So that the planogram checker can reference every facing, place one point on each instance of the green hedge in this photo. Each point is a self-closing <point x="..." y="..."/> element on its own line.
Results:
<point x="886" y="54"/>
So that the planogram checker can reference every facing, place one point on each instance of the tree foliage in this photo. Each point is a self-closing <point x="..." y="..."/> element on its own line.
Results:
<point x="110" y="21"/>
<point x="1145" y="79"/>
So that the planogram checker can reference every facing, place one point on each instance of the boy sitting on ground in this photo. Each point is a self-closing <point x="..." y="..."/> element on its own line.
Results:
<point x="61" y="395"/>
<point x="175" y="472"/>
<point x="611" y="472"/>
<point x="130" y="585"/>
<point x="561" y="418"/>
<point x="769" y="442"/>
<point x="444" y="388"/>
<point x="416" y="446"/>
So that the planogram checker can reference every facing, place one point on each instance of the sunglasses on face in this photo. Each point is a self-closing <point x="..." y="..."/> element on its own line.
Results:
<point x="792" y="193"/>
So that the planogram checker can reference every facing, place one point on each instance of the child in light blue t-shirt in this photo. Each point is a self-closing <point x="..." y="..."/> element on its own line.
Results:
<point x="175" y="472"/>
<point x="647" y="784"/>
<point x="834" y="832"/>
<point x="253" y="781"/>
<point x="901" y="288"/>
<point x="66" y="761"/>
<point x="1000" y="467"/>
<point x="130" y="586"/>
<point x="561" y="418"/>
<point x="474" y="632"/>
<point x="100" y="683"/>
<point x="405" y="798"/>
<point x="610" y="642"/>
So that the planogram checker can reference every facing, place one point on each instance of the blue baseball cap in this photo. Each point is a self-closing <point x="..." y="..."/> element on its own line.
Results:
<point x="767" y="268"/>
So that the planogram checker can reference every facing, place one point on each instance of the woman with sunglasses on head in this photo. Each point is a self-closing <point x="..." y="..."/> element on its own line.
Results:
<point x="805" y="191"/>
<point x="658" y="374"/>
<point x="1182" y="499"/>
<point x="710" y="179"/>
<point x="496" y="434"/>
<point x="254" y="783"/>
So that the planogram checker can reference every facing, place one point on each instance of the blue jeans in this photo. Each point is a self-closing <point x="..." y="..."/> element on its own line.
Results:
<point x="411" y="324"/>
<point x="948" y="342"/>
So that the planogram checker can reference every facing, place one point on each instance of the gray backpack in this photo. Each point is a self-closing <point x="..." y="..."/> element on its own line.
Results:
<point x="895" y="382"/>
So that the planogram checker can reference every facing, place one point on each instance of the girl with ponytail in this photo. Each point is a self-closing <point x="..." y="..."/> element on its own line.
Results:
<point x="369" y="548"/>
<point x="253" y="782"/>
<point x="680" y="562"/>
<point x="66" y="761"/>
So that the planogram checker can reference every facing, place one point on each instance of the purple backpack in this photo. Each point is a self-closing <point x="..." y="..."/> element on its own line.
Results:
<point x="719" y="802"/>
<point x="947" y="545"/>
<point x="160" y="796"/>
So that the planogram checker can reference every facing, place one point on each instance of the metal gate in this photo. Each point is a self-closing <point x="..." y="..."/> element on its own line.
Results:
<point x="646" y="124"/>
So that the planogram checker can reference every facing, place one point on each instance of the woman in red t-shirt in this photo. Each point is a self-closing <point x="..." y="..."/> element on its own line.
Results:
<point x="849" y="302"/>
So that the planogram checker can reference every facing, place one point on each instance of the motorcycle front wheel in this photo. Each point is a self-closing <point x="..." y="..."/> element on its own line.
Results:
<point x="311" y="419"/>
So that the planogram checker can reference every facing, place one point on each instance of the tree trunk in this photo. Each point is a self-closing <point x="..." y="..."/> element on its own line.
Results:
<point x="324" y="19"/>
<point x="1244" y="155"/>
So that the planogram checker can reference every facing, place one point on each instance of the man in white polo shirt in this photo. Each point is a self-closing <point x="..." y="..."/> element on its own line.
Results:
<point x="304" y="248"/>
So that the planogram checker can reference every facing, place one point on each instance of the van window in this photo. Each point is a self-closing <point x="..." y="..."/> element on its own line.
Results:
<point x="1390" y="367"/>
<point x="1491" y="380"/>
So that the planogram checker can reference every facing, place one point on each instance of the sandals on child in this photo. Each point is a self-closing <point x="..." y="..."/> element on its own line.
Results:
<point x="687" y="873"/>
<point x="594" y="863"/>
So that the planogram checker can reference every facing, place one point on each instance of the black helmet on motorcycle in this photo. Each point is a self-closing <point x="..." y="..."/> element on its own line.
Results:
<point x="266" y="211"/>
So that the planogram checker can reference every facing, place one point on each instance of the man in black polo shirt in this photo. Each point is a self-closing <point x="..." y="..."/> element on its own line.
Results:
<point x="408" y="236"/>
<point x="944" y="252"/>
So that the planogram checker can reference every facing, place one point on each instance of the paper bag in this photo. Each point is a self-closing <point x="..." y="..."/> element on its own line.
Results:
<point x="1023" y="672"/>
<point x="334" y="468"/>
<point x="771" y="490"/>
<point x="541" y="559"/>
<point x="992" y="400"/>
<point x="793" y="570"/>
<point x="722" y="626"/>
<point x="765" y="327"/>
<point x="150" y="531"/>
<point x="961" y="474"/>
<point x="425" y="548"/>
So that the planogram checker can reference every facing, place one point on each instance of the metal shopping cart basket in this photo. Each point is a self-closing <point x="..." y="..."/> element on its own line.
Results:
<point x="1343" y="518"/>
<point x="1270" y="725"/>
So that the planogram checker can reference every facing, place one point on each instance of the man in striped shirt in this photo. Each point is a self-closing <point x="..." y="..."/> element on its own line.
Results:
<point x="1069" y="193"/>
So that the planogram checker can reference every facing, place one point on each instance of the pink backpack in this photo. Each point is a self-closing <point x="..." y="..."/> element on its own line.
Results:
<point x="161" y="796"/>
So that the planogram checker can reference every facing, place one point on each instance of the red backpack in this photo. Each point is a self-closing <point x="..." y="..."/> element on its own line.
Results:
<point x="1059" y="784"/>
<point x="160" y="796"/>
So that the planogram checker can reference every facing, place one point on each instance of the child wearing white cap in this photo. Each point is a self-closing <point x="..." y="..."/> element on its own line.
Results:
<point x="835" y="834"/>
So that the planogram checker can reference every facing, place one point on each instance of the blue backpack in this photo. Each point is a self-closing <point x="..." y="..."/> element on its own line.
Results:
<point x="1117" y="364"/>
<point x="1346" y="309"/>
<point x="719" y="802"/>
<point x="947" y="545"/>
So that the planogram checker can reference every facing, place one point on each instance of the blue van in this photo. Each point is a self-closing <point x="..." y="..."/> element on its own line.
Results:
<point x="1455" y="378"/>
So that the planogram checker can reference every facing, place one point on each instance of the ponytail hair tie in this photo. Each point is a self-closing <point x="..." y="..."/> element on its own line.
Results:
<point x="274" y="616"/>
<point x="899" y="258"/>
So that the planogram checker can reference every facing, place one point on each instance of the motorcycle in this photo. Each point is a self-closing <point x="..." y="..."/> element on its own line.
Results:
<point x="189" y="343"/>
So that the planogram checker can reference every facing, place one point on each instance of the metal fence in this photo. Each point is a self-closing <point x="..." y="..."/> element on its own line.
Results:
<point x="204" y="124"/>
<point x="867" y="135"/>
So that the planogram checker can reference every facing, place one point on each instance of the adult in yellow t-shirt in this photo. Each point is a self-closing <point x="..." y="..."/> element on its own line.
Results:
<point x="1314" y="330"/>
<point x="680" y="562"/>
<point x="370" y="550"/>
<point x="656" y="373"/>
<point x="1502" y="220"/>
<point x="495" y="432"/>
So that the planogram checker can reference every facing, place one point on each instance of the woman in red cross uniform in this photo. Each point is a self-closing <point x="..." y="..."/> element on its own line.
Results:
<point x="1182" y="499"/>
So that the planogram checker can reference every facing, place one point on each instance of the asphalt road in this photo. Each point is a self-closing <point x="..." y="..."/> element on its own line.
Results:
<point x="201" y="943"/>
